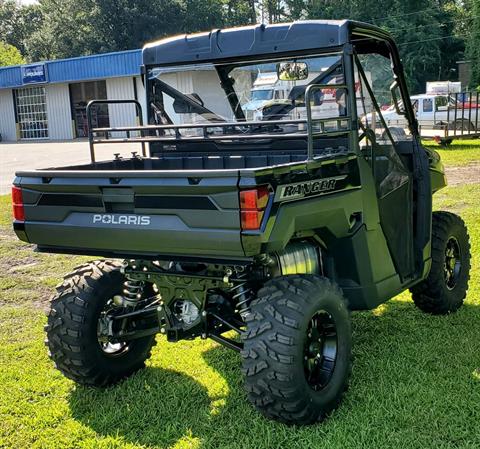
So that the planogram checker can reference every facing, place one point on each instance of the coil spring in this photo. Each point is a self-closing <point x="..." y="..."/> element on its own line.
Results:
<point x="133" y="290"/>
<point x="242" y="296"/>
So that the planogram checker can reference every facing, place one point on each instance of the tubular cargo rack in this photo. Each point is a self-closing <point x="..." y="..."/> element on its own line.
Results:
<point x="142" y="134"/>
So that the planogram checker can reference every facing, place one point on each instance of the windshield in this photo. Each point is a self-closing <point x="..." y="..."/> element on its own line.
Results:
<point x="209" y="93"/>
<point x="262" y="95"/>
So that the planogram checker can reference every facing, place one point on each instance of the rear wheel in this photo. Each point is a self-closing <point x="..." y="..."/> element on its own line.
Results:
<point x="463" y="125"/>
<point x="445" y="288"/>
<point x="75" y="319"/>
<point x="297" y="349"/>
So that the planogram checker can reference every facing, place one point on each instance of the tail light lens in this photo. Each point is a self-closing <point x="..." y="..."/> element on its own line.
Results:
<point x="252" y="207"/>
<point x="17" y="202"/>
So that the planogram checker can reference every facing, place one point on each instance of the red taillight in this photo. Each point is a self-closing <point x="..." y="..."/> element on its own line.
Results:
<point x="251" y="219"/>
<point x="248" y="199"/>
<point x="17" y="203"/>
<point x="252" y="207"/>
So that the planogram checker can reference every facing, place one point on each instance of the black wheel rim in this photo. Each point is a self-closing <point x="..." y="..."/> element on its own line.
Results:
<point x="109" y="349"/>
<point x="320" y="350"/>
<point x="452" y="265"/>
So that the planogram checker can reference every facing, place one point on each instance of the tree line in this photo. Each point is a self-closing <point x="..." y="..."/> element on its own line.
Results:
<point x="432" y="35"/>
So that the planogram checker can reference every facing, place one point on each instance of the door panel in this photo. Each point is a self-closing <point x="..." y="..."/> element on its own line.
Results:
<point x="395" y="198"/>
<point x="389" y="153"/>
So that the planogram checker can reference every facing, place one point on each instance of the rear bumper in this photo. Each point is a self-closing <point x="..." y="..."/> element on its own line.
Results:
<point x="108" y="254"/>
<point x="164" y="235"/>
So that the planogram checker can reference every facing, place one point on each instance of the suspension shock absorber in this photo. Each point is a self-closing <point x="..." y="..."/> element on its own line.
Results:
<point x="132" y="293"/>
<point x="241" y="296"/>
<point x="133" y="289"/>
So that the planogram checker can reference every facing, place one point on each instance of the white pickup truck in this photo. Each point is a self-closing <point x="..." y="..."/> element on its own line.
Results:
<point x="435" y="112"/>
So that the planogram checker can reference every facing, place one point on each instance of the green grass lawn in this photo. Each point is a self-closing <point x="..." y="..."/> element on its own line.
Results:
<point x="415" y="381"/>
<point x="460" y="152"/>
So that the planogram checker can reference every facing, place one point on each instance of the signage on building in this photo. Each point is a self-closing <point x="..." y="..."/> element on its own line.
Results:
<point x="35" y="73"/>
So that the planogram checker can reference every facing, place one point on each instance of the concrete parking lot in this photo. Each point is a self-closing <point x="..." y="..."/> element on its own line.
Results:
<point x="34" y="155"/>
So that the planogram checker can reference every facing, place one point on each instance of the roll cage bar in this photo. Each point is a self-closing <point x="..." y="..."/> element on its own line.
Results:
<point x="361" y="35"/>
<point x="364" y="37"/>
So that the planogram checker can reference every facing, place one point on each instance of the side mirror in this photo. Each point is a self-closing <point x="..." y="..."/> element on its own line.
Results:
<point x="292" y="71"/>
<point x="400" y="110"/>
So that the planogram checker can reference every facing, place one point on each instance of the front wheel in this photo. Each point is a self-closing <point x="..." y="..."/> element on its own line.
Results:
<point x="297" y="349"/>
<point x="445" y="288"/>
<point x="74" y="319"/>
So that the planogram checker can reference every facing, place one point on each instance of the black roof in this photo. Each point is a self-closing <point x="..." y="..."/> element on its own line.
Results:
<point x="255" y="40"/>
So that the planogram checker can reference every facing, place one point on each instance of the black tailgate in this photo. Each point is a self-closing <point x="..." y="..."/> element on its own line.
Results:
<point x="137" y="213"/>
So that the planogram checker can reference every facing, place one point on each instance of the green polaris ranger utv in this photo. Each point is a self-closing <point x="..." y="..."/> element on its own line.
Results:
<point x="261" y="232"/>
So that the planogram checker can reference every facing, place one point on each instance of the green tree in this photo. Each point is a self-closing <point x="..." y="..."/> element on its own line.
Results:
<point x="65" y="30"/>
<point x="473" y="43"/>
<point x="28" y="19"/>
<point x="424" y="31"/>
<point x="8" y="11"/>
<point x="17" y="23"/>
<point x="429" y="33"/>
<point x="202" y="15"/>
<point x="9" y="55"/>
<point x="239" y="12"/>
<point x="80" y="27"/>
<point x="128" y="24"/>
<point x="295" y="9"/>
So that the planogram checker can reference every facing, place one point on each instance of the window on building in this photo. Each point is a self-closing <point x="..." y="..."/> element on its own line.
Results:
<point x="31" y="106"/>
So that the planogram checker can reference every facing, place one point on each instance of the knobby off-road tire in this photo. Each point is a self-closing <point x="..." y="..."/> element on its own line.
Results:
<point x="280" y="347"/>
<point x="72" y="328"/>
<point x="445" y="288"/>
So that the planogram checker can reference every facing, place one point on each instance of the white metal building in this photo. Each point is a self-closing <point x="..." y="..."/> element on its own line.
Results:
<point x="47" y="100"/>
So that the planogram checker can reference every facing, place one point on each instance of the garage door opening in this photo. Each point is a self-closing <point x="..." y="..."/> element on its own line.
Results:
<point x="80" y="95"/>
<point x="31" y="109"/>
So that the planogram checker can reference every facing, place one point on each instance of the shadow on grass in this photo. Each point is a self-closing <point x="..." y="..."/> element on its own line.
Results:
<point x="401" y="357"/>
<point x="158" y="407"/>
<point x="155" y="407"/>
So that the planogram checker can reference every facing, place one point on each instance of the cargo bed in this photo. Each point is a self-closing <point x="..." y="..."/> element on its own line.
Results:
<point x="183" y="199"/>
<point x="151" y="207"/>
